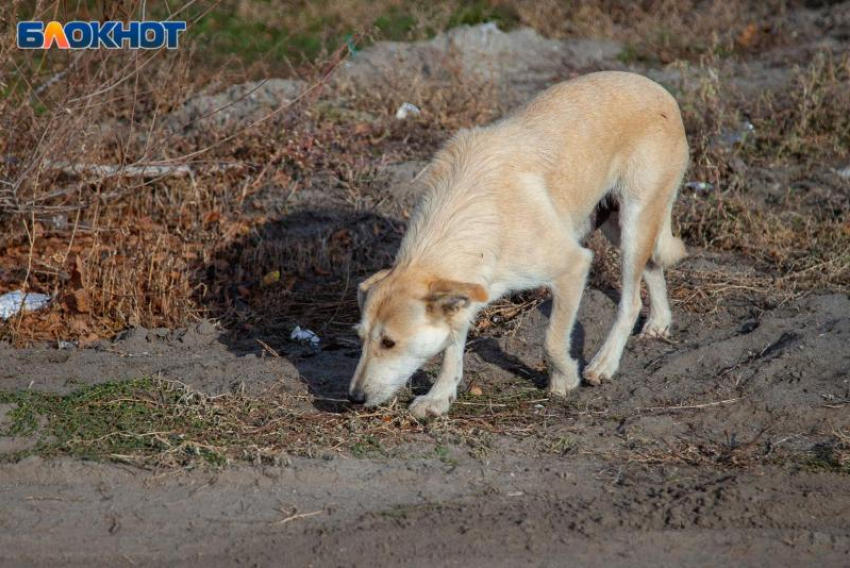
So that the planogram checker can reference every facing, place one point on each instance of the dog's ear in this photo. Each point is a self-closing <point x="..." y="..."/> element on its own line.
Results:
<point x="363" y="287"/>
<point x="449" y="296"/>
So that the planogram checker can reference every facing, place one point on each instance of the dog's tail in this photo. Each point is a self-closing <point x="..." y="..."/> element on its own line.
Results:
<point x="668" y="249"/>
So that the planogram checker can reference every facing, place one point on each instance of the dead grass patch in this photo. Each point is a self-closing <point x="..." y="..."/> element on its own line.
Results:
<point x="151" y="422"/>
<point x="227" y="241"/>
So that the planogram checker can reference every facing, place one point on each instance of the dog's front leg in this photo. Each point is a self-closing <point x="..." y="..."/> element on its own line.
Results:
<point x="444" y="390"/>
<point x="567" y="290"/>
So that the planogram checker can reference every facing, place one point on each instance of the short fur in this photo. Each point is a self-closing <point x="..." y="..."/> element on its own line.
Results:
<point x="506" y="208"/>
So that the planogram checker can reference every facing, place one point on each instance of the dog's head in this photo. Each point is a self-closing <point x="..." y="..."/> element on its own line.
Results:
<point x="405" y="320"/>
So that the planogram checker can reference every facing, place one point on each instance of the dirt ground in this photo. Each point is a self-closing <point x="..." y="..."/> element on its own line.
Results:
<point x="727" y="445"/>
<point x="699" y="454"/>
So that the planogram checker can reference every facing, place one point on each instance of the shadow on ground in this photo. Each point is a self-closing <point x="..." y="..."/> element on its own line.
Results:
<point x="302" y="270"/>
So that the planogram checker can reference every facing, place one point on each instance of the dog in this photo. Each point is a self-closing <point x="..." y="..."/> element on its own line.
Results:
<point x="506" y="208"/>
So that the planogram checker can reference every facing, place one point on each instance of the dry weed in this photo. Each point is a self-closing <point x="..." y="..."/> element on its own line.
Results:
<point x="221" y="231"/>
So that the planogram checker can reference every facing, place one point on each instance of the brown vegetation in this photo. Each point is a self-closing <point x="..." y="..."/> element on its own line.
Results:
<point x="193" y="236"/>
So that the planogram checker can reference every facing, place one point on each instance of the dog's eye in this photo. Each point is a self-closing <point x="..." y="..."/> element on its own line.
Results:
<point x="387" y="343"/>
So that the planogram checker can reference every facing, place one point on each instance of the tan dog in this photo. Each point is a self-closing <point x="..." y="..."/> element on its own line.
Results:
<point x="506" y="209"/>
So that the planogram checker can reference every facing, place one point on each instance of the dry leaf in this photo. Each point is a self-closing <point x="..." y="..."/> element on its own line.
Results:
<point x="80" y="325"/>
<point x="748" y="36"/>
<point x="78" y="274"/>
<point x="211" y="217"/>
<point x="88" y="340"/>
<point x="77" y="301"/>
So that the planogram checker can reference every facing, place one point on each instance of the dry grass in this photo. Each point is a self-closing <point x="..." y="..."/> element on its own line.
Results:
<point x="158" y="423"/>
<point x="162" y="424"/>
<point x="122" y="250"/>
<point x="664" y="31"/>
<point x="160" y="250"/>
<point x="268" y="224"/>
<point x="795" y="238"/>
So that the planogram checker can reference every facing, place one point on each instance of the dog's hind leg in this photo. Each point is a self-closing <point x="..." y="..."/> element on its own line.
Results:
<point x="667" y="251"/>
<point x="567" y="290"/>
<point x="638" y="235"/>
<point x="444" y="390"/>
<point x="660" y="318"/>
<point x="646" y="201"/>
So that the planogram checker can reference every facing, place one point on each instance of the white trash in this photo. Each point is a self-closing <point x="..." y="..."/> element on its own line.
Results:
<point x="699" y="186"/>
<point x="304" y="336"/>
<point x="406" y="110"/>
<point x="12" y="303"/>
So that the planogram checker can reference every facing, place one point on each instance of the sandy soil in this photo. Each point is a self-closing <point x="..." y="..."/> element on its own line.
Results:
<point x="701" y="452"/>
<point x="775" y="380"/>
<point x="507" y="511"/>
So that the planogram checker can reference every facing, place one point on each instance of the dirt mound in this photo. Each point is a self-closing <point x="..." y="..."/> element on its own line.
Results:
<point x="522" y="58"/>
<point x="238" y="104"/>
<point x="199" y="356"/>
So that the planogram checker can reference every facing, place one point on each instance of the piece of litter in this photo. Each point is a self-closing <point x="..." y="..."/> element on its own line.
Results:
<point x="12" y="303"/>
<point x="304" y="336"/>
<point x="699" y="186"/>
<point x="406" y="110"/>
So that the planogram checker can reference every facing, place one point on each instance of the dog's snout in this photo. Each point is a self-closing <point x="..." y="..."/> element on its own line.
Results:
<point x="357" y="396"/>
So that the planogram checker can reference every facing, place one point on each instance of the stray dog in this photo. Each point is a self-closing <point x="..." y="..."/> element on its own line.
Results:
<point x="506" y="208"/>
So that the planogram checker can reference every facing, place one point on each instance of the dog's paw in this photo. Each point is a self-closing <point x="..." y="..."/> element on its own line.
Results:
<point x="425" y="406"/>
<point x="562" y="383"/>
<point x="598" y="372"/>
<point x="654" y="329"/>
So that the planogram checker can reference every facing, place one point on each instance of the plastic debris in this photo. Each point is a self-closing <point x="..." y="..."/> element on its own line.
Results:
<point x="699" y="186"/>
<point x="407" y="110"/>
<point x="304" y="336"/>
<point x="12" y="303"/>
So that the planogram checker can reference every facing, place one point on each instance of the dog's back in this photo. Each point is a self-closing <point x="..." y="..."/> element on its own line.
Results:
<point x="553" y="161"/>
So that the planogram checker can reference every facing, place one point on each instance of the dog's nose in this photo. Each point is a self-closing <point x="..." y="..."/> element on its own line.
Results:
<point x="357" y="397"/>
